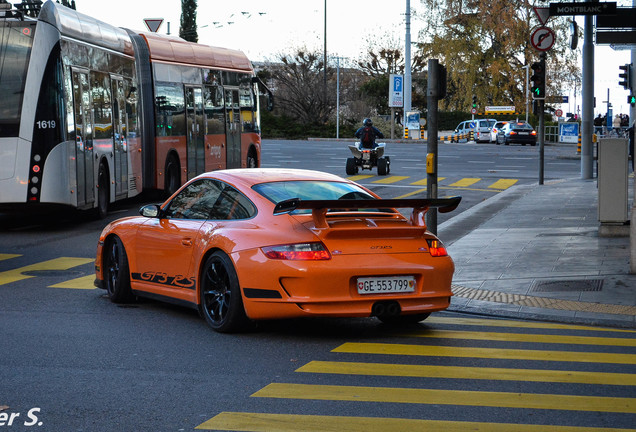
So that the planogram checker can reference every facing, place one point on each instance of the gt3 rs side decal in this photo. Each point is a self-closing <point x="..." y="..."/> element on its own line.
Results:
<point x="178" y="281"/>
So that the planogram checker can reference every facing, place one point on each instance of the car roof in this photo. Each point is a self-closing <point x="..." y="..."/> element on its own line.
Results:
<point x="249" y="177"/>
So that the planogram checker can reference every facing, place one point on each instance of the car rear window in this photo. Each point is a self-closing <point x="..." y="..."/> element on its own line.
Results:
<point x="310" y="190"/>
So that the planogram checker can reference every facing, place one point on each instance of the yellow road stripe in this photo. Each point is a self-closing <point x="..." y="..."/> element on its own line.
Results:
<point x="265" y="422"/>
<point x="503" y="183"/>
<point x="518" y="337"/>
<point x="458" y="372"/>
<point x="423" y="181"/>
<point x="85" y="282"/>
<point x="4" y="256"/>
<point x="497" y="353"/>
<point x="389" y="180"/>
<point x="448" y="397"/>
<point x="63" y="263"/>
<point x="411" y="193"/>
<point x="359" y="177"/>
<point x="465" y="182"/>
<point x="518" y="324"/>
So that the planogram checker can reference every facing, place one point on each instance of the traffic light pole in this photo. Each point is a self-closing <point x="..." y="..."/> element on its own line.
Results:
<point x="542" y="128"/>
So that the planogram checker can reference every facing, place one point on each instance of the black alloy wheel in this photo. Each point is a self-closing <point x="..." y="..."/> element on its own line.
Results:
<point x="221" y="304"/>
<point x="116" y="272"/>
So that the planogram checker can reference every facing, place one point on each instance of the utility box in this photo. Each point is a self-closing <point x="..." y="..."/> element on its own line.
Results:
<point x="612" y="181"/>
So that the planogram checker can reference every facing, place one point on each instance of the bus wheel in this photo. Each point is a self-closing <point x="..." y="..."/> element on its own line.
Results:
<point x="103" y="192"/>
<point x="252" y="161"/>
<point x="172" y="180"/>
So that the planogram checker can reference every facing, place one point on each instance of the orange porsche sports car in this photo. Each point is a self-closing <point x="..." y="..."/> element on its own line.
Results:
<point x="253" y="244"/>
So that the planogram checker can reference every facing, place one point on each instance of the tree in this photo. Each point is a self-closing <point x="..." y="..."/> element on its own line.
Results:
<point x="385" y="56"/>
<point x="188" y="27"/>
<point x="484" y="45"/>
<point x="299" y="84"/>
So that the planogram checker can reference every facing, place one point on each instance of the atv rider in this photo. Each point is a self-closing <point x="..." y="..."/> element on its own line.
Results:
<point x="368" y="133"/>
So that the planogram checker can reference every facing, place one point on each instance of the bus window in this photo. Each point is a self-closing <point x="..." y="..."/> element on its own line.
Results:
<point x="102" y="109"/>
<point x="214" y="111"/>
<point x="170" y="109"/>
<point x="246" y="102"/>
<point x="15" y="49"/>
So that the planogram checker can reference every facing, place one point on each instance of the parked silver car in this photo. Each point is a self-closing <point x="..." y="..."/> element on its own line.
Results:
<point x="480" y="127"/>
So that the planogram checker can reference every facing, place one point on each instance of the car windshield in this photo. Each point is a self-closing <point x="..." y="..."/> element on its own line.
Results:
<point x="521" y="126"/>
<point x="310" y="190"/>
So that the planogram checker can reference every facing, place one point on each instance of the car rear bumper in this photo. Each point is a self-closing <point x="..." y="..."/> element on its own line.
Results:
<point x="287" y="289"/>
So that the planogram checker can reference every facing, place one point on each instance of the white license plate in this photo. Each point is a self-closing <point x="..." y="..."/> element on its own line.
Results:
<point x="386" y="284"/>
<point x="523" y="133"/>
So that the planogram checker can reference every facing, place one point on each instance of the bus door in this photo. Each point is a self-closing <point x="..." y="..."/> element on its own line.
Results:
<point x="196" y="131"/>
<point x="83" y="139"/>
<point x="233" y="128"/>
<point x="120" y="136"/>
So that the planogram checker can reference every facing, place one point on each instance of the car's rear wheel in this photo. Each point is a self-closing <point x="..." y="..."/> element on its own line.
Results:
<point x="403" y="319"/>
<point x="116" y="272"/>
<point x="220" y="295"/>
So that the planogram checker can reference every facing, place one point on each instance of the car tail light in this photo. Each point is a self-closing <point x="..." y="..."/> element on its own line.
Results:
<point x="534" y="132"/>
<point x="436" y="248"/>
<point x="298" y="251"/>
<point x="513" y="133"/>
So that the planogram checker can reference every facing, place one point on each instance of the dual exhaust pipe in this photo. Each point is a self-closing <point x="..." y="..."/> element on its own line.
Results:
<point x="389" y="308"/>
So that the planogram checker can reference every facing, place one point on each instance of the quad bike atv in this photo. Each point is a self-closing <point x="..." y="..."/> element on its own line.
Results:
<point x="367" y="158"/>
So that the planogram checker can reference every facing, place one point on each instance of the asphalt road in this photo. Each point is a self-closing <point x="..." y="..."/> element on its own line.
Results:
<point x="70" y="360"/>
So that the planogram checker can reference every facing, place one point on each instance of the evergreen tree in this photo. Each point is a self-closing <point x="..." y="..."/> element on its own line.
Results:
<point x="188" y="27"/>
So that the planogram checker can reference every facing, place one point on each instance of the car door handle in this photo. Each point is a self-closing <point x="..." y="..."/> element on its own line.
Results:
<point x="186" y="242"/>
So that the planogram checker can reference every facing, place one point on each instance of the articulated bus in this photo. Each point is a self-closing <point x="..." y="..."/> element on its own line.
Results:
<point x="91" y="113"/>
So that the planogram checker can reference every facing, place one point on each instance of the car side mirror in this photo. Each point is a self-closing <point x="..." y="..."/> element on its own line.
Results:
<point x="150" y="210"/>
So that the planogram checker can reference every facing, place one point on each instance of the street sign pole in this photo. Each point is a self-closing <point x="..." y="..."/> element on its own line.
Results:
<point x="542" y="131"/>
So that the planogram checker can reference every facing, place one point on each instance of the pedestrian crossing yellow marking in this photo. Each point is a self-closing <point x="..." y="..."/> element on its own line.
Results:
<point x="265" y="422"/>
<point x="4" y="256"/>
<point x="457" y="372"/>
<point x="465" y="182"/>
<point x="423" y="182"/>
<point x="519" y="337"/>
<point x="85" y="282"/>
<point x="359" y="177"/>
<point x="503" y="183"/>
<point x="448" y="397"/>
<point x="493" y="353"/>
<point x="389" y="180"/>
<point x="517" y="324"/>
<point x="411" y="194"/>
<point x="63" y="263"/>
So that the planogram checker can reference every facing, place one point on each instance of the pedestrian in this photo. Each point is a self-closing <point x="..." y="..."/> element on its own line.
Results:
<point x="616" y="124"/>
<point x="598" y="125"/>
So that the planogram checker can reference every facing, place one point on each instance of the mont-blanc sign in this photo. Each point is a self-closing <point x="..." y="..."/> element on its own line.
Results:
<point x="586" y="8"/>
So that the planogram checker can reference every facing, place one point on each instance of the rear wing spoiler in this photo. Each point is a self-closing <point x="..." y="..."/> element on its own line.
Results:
<point x="319" y="208"/>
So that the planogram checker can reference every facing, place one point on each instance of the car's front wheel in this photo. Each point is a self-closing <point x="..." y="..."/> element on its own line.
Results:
<point x="116" y="272"/>
<point x="220" y="295"/>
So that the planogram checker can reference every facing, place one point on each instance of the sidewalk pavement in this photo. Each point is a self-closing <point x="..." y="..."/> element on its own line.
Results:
<point x="533" y="252"/>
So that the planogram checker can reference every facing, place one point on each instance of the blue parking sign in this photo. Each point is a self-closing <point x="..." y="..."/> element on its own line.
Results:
<point x="396" y="91"/>
<point x="397" y="83"/>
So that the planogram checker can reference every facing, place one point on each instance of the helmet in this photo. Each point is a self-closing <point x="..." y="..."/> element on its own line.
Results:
<point x="367" y="122"/>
